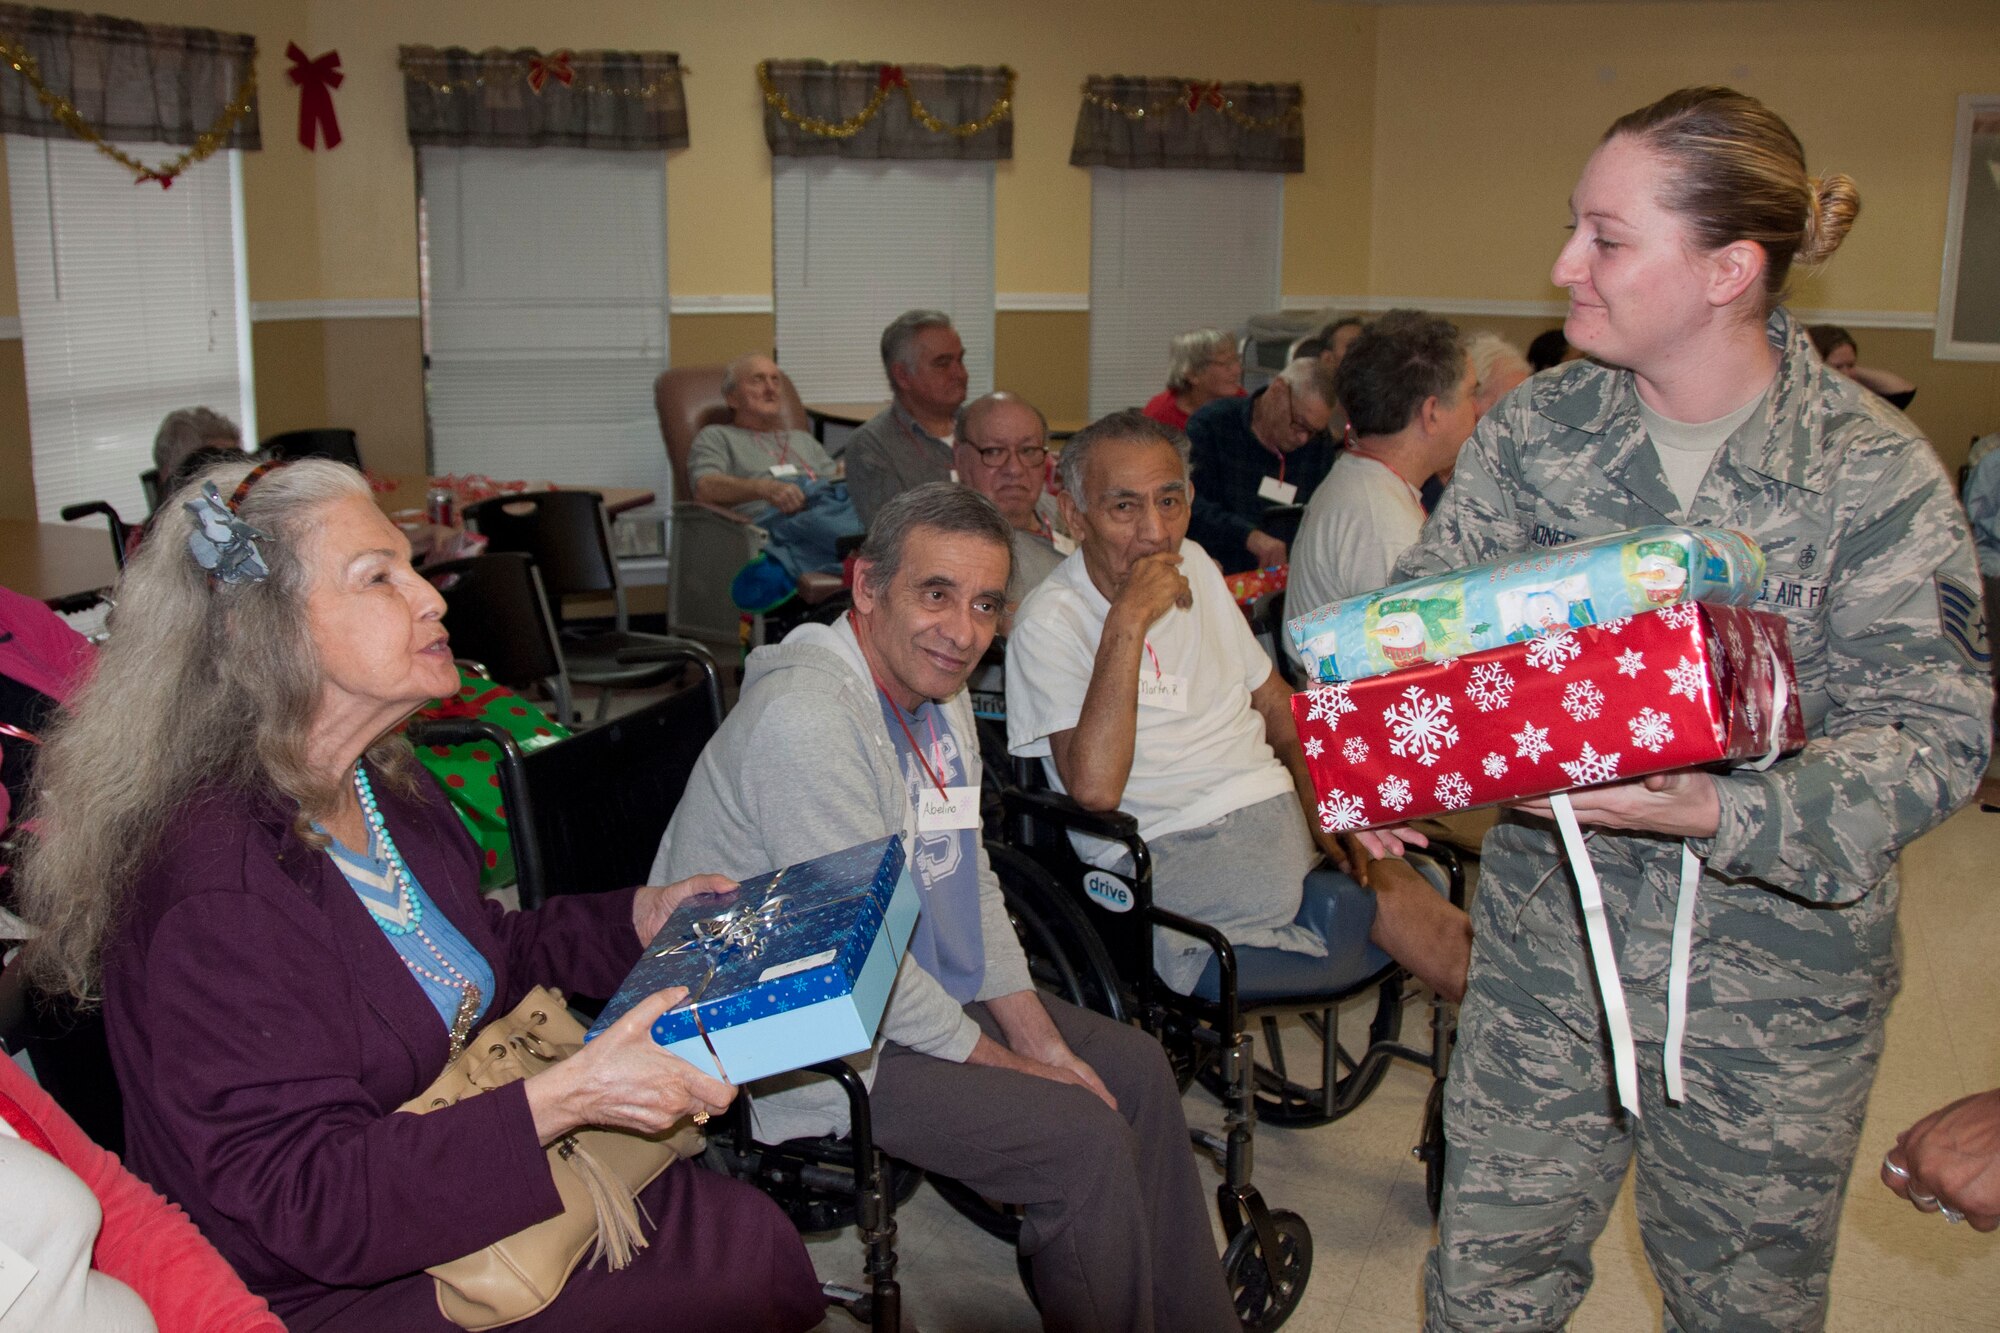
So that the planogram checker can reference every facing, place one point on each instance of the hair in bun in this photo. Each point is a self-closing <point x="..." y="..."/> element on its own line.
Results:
<point x="1738" y="173"/>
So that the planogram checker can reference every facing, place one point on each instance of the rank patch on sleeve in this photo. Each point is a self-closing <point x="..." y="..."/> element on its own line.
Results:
<point x="1962" y="617"/>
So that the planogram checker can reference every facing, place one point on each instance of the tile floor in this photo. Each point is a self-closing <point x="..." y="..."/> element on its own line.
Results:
<point x="1362" y="1193"/>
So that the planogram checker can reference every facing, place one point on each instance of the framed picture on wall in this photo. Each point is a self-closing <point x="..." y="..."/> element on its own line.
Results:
<point x="1968" y="323"/>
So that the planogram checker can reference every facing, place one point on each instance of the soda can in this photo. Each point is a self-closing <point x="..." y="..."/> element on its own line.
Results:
<point x="441" y="507"/>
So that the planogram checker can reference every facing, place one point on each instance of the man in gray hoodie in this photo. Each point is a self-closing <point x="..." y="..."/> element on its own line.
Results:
<point x="851" y="732"/>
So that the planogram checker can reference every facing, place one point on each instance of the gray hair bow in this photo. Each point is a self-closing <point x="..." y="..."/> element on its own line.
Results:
<point x="222" y="543"/>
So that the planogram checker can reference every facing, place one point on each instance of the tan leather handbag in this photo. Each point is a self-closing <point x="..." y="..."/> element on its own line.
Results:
<point x="599" y="1173"/>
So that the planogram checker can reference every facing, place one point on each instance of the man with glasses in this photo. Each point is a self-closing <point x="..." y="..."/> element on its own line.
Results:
<point x="1002" y="451"/>
<point x="1255" y="454"/>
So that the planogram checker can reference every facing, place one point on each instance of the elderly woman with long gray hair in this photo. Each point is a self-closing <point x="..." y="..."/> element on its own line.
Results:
<point x="281" y="915"/>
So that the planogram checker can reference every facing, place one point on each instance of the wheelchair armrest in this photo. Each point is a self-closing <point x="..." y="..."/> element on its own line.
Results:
<point x="660" y="648"/>
<point x="687" y="508"/>
<point x="71" y="513"/>
<point x="1056" y="808"/>
<point x="513" y="790"/>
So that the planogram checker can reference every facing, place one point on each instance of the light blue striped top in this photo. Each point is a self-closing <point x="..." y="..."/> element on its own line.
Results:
<point x="368" y="874"/>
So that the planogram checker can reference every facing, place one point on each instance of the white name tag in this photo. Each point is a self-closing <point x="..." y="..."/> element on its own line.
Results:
<point x="15" y="1275"/>
<point x="805" y="964"/>
<point x="1165" y="691"/>
<point x="1277" y="492"/>
<point x="957" y="808"/>
<point x="784" y="469"/>
<point x="1063" y="542"/>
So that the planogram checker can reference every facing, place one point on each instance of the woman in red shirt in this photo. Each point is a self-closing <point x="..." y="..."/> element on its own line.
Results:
<point x="102" y="1249"/>
<point x="1203" y="365"/>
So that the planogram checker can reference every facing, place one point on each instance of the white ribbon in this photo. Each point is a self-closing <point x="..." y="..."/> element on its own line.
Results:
<point x="1605" y="963"/>
<point x="1602" y="959"/>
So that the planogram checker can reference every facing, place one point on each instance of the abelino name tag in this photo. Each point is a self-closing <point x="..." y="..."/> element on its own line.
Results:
<point x="957" y="808"/>
<point x="1163" y="691"/>
<point x="1277" y="492"/>
<point x="784" y="470"/>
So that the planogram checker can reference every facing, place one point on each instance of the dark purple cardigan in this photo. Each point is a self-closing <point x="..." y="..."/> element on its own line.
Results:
<point x="264" y="1031"/>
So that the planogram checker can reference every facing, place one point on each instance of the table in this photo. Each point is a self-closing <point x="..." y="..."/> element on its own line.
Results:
<point x="45" y="560"/>
<point x="853" y="414"/>
<point x="409" y="492"/>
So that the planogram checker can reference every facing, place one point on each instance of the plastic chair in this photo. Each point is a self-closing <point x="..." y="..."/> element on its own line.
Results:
<point x="500" y="624"/>
<point x="331" y="442"/>
<point x="568" y="536"/>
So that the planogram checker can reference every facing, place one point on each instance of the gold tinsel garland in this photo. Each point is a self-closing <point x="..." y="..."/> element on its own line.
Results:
<point x="216" y="136"/>
<point x="890" y="79"/>
<point x="1190" y="103"/>
<point x="526" y="67"/>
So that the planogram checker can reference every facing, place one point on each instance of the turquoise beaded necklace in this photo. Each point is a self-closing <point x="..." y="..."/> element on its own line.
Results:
<point x="412" y="916"/>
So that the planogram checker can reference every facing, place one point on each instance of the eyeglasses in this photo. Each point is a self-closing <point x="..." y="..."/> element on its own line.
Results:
<point x="1031" y="456"/>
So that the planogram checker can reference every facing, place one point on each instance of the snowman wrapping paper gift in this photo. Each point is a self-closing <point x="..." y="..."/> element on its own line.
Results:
<point x="1560" y="587"/>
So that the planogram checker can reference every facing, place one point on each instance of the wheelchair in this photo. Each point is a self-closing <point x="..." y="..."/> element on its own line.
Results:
<point x="1088" y="934"/>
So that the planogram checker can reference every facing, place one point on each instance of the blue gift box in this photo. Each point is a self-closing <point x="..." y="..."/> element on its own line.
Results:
<point x="792" y="968"/>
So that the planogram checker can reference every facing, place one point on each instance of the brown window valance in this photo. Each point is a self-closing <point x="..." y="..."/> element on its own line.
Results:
<point x="876" y="110"/>
<point x="458" y="98"/>
<point x="126" y="81"/>
<point x="1175" y="122"/>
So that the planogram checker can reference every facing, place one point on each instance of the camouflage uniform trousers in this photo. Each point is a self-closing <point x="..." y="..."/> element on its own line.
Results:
<point x="1738" y="1188"/>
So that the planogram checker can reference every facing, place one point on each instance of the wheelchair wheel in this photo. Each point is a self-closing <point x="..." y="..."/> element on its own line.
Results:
<point x="1430" y="1149"/>
<point x="1065" y="956"/>
<point x="1268" y="1289"/>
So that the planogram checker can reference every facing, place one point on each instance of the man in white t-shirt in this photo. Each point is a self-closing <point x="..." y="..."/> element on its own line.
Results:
<point x="1134" y="677"/>
<point x="1409" y="393"/>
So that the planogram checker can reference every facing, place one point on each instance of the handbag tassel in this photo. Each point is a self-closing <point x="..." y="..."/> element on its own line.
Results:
<point x="619" y="1236"/>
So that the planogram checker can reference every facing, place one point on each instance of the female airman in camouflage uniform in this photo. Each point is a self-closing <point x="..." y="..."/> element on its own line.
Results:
<point x="1687" y="220"/>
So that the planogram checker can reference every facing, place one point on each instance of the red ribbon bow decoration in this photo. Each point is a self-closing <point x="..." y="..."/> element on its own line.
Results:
<point x="891" y="77"/>
<point x="316" y="80"/>
<point x="541" y="69"/>
<point x="1197" y="94"/>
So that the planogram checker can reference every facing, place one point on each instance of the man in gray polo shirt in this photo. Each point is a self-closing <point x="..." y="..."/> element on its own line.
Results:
<point x="779" y="479"/>
<point x="909" y="442"/>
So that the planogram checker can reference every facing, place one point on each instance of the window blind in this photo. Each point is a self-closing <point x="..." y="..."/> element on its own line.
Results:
<point x="1171" y="251"/>
<point x="133" y="304"/>
<point x="545" y="300"/>
<point x="855" y="244"/>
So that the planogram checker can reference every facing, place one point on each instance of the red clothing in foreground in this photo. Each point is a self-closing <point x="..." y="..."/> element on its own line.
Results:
<point x="145" y="1242"/>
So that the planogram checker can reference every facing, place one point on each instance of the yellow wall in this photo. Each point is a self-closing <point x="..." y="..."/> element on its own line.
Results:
<point x="1484" y="115"/>
<point x="1442" y="141"/>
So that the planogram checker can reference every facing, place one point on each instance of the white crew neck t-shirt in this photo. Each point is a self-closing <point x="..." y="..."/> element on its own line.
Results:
<point x="1188" y="768"/>
<point x="1361" y="518"/>
<point x="1686" y="449"/>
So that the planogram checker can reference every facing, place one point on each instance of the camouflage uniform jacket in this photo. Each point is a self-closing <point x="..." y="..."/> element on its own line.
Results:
<point x="1870" y="563"/>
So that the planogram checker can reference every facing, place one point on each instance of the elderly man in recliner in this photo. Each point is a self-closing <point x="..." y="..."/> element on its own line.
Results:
<point x="778" y="478"/>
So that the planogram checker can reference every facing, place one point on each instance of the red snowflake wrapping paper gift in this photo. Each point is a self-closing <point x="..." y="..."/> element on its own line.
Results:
<point x="1675" y="688"/>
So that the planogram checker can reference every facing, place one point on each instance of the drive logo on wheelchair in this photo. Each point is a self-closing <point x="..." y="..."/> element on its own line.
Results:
<point x="1108" y="891"/>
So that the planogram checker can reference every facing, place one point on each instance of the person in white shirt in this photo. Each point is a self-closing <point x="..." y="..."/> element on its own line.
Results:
<point x="1134" y="677"/>
<point x="1408" y="389"/>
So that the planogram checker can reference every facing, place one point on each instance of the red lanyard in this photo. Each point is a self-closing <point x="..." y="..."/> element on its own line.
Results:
<point x="908" y="735"/>
<point x="1156" y="658"/>
<point x="1358" y="452"/>
<point x="785" y="455"/>
<point x="1281" y="468"/>
<point x="7" y="729"/>
<point x="937" y="748"/>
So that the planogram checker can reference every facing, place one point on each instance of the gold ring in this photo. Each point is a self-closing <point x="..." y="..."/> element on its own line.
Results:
<point x="701" y="1117"/>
